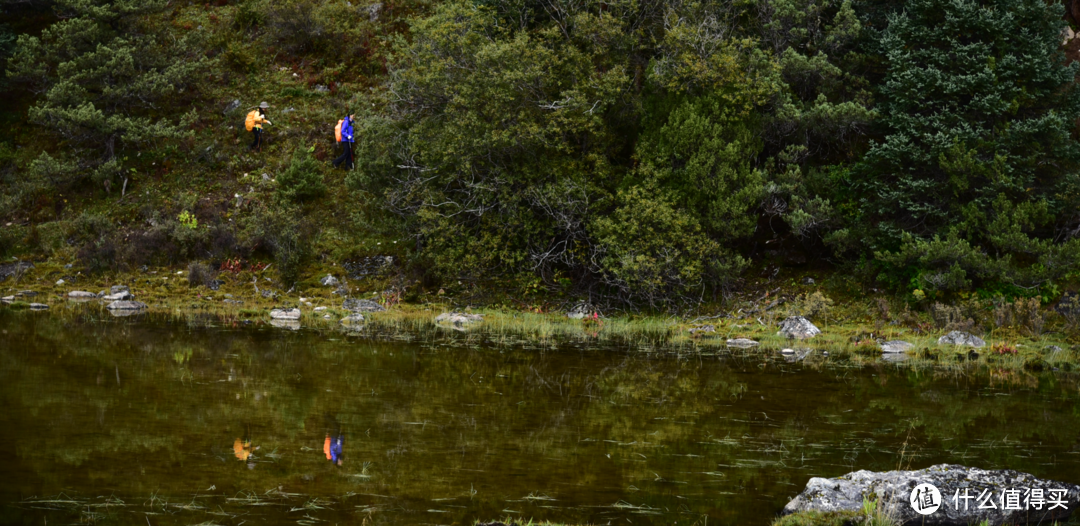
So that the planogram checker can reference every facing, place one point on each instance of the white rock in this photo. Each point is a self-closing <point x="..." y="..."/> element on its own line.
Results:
<point x="81" y="294"/>
<point x="961" y="338"/>
<point x="896" y="346"/>
<point x="742" y="343"/>
<point x="285" y="314"/>
<point x="799" y="328"/>
<point x="458" y="318"/>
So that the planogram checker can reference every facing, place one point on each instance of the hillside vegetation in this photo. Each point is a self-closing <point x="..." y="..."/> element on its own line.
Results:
<point x="639" y="153"/>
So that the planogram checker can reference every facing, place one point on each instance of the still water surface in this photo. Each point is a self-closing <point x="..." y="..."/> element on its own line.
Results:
<point x="139" y="421"/>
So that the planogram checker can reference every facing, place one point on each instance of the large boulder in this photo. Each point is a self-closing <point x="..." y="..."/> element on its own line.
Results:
<point x="963" y="496"/>
<point x="81" y="294"/>
<point x="798" y="328"/>
<point x="118" y="296"/>
<point x="329" y="281"/>
<point x="356" y="305"/>
<point x="961" y="338"/>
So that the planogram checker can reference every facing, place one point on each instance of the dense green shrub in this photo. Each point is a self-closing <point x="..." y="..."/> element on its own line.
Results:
<point x="280" y="229"/>
<point x="303" y="179"/>
<point x="654" y="253"/>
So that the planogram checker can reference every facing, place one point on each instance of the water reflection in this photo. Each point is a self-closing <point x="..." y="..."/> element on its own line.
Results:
<point x="443" y="431"/>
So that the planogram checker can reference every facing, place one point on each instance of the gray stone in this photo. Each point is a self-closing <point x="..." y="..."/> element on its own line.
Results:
<point x="119" y="296"/>
<point x="808" y="281"/>
<point x="742" y="343"/>
<point x="60" y="282"/>
<point x="81" y="294"/>
<point x="38" y="306"/>
<point x="7" y="299"/>
<point x="1051" y="349"/>
<point x="458" y="318"/>
<point x="896" y="346"/>
<point x="317" y="309"/>
<point x="893" y="490"/>
<point x="799" y="328"/>
<point x="115" y="289"/>
<point x="285" y="314"/>
<point x="26" y="293"/>
<point x="581" y="310"/>
<point x="126" y="305"/>
<point x="231" y="107"/>
<point x="319" y="88"/>
<point x="701" y="330"/>
<point x="12" y="269"/>
<point x="329" y="281"/>
<point x="356" y="305"/>
<point x="373" y="11"/>
<point x="961" y="338"/>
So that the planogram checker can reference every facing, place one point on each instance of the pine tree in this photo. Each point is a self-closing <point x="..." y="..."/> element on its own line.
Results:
<point x="976" y="176"/>
<point x="101" y="76"/>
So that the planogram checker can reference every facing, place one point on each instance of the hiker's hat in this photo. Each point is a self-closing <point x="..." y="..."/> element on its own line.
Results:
<point x="264" y="105"/>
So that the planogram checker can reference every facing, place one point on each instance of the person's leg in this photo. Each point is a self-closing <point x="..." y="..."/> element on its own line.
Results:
<point x="344" y="158"/>
<point x="257" y="142"/>
<point x="349" y="152"/>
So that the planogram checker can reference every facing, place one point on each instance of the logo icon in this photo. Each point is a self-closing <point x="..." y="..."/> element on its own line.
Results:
<point x="925" y="499"/>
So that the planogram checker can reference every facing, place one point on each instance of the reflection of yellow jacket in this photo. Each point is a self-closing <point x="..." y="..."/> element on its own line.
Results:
<point x="242" y="449"/>
<point x="255" y="120"/>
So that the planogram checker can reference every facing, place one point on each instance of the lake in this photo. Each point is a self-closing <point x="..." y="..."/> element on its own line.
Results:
<point x="142" y="420"/>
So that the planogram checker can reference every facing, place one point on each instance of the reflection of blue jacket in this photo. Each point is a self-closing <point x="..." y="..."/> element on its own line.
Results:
<point x="346" y="130"/>
<point x="335" y="442"/>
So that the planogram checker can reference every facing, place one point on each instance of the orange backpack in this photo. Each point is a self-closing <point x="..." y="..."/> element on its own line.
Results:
<point x="249" y="123"/>
<point x="337" y="130"/>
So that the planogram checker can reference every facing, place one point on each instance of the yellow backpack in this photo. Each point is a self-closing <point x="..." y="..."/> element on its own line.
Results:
<point x="250" y="122"/>
<point x="337" y="130"/>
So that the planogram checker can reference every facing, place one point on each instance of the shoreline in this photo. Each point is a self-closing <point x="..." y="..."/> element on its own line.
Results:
<point x="845" y="336"/>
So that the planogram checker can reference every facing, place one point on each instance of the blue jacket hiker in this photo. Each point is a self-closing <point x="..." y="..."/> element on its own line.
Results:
<point x="346" y="143"/>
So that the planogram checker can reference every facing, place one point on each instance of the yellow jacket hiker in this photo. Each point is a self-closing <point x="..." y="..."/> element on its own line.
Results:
<point x="254" y="123"/>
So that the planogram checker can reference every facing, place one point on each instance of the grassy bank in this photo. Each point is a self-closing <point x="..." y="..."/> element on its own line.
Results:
<point x="852" y="326"/>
